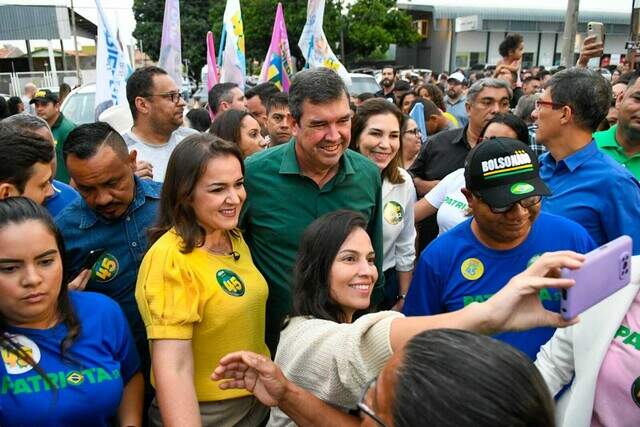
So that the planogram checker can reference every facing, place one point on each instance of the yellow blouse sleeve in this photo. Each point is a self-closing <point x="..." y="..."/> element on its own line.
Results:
<point x="167" y="293"/>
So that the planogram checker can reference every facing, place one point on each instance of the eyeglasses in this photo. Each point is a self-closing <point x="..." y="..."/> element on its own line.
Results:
<point x="553" y="105"/>
<point x="414" y="132"/>
<point x="364" y="408"/>
<point x="525" y="203"/>
<point x="174" y="97"/>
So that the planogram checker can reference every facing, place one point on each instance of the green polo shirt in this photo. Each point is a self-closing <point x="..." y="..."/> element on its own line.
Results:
<point x="60" y="130"/>
<point x="281" y="203"/>
<point x="607" y="142"/>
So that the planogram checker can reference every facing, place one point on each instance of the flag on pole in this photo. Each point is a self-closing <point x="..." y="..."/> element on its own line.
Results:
<point x="417" y="114"/>
<point x="112" y="66"/>
<point x="233" y="58"/>
<point x="212" y="67"/>
<point x="314" y="45"/>
<point x="277" y="64"/>
<point x="170" y="49"/>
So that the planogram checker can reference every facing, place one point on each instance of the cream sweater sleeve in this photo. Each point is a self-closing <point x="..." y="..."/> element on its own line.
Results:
<point x="333" y="361"/>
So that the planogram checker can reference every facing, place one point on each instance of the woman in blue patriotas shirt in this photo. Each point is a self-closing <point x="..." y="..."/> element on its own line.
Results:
<point x="68" y="358"/>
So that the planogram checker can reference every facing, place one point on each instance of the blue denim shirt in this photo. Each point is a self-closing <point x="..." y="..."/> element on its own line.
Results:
<point x="458" y="110"/>
<point x="593" y="190"/>
<point x="125" y="243"/>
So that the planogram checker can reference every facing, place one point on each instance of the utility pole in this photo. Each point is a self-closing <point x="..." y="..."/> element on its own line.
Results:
<point x="569" y="35"/>
<point x="75" y="44"/>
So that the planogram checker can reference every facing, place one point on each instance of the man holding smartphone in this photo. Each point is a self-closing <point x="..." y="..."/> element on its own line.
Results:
<point x="508" y="232"/>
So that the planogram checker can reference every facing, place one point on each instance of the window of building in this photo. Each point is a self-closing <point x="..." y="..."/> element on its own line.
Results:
<point x="527" y="60"/>
<point x="476" y="58"/>
<point x="422" y="26"/>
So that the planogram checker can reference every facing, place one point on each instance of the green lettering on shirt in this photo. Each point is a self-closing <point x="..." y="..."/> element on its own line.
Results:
<point x="21" y="386"/>
<point x="622" y="331"/>
<point x="35" y="382"/>
<point x="103" y="375"/>
<point x="88" y="373"/>
<point x="6" y="384"/>
<point x="634" y="340"/>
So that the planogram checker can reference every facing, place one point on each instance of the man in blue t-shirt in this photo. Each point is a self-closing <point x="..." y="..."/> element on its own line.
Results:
<point x="507" y="233"/>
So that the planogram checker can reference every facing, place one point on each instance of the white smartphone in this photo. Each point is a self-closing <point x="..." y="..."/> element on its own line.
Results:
<point x="596" y="29"/>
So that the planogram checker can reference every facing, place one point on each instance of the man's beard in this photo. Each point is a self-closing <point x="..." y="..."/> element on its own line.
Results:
<point x="631" y="134"/>
<point x="387" y="83"/>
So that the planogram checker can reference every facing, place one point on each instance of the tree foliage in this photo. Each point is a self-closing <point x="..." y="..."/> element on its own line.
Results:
<point x="369" y="26"/>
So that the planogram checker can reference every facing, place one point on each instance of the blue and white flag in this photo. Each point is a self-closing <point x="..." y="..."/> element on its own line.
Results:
<point x="170" y="49"/>
<point x="112" y="67"/>
<point x="417" y="114"/>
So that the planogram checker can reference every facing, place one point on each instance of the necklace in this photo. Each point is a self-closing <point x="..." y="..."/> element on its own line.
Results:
<point x="221" y="249"/>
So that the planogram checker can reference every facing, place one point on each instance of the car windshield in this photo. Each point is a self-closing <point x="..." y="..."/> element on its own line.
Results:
<point x="363" y="84"/>
<point x="79" y="108"/>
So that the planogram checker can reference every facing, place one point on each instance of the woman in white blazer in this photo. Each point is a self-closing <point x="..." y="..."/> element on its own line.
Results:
<point x="581" y="350"/>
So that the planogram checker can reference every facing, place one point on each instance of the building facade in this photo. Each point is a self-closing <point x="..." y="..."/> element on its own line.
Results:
<point x="481" y="29"/>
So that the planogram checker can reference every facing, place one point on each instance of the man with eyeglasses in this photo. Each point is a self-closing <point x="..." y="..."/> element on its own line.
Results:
<point x="473" y="260"/>
<point x="157" y="108"/>
<point x="47" y="107"/>
<point x="587" y="185"/>
<point x="445" y="152"/>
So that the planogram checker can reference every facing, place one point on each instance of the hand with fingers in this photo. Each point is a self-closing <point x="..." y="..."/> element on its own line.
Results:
<point x="517" y="306"/>
<point x="255" y="373"/>
<point x="81" y="280"/>
<point x="591" y="48"/>
<point x="144" y="169"/>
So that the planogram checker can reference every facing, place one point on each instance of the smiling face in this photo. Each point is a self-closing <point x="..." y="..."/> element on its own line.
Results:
<point x="353" y="273"/>
<point x="251" y="140"/>
<point x="30" y="274"/>
<point x="323" y="134"/>
<point x="219" y="194"/>
<point x="380" y="139"/>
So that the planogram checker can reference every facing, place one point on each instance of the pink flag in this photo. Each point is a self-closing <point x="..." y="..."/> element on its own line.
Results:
<point x="212" y="66"/>
<point x="277" y="64"/>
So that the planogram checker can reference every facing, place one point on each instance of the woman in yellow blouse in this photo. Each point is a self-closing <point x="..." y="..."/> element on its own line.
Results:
<point x="198" y="291"/>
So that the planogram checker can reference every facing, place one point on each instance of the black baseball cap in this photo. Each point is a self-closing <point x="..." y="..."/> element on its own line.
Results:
<point x="44" y="95"/>
<point x="503" y="171"/>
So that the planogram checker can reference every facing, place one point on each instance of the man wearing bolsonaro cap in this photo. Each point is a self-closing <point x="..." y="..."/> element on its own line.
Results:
<point x="507" y="232"/>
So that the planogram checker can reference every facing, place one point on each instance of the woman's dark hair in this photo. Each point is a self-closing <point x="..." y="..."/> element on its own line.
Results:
<point x="187" y="164"/>
<point x="227" y="125"/>
<point x="17" y="210"/>
<point x="13" y="103"/>
<point x="200" y="119"/>
<point x="375" y="107"/>
<point x="513" y="122"/>
<point x="457" y="378"/>
<point x="509" y="44"/>
<point x="318" y="248"/>
<point x="436" y="95"/>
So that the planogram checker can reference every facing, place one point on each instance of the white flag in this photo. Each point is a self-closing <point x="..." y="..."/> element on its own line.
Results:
<point x="170" y="49"/>
<point x="233" y="67"/>
<point x="112" y="67"/>
<point x="314" y="45"/>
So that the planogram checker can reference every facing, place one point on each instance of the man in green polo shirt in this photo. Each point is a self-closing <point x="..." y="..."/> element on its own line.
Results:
<point x="622" y="142"/>
<point x="291" y="185"/>
<point x="47" y="107"/>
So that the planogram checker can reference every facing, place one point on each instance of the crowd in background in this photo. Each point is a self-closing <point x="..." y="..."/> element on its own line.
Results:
<point x="318" y="258"/>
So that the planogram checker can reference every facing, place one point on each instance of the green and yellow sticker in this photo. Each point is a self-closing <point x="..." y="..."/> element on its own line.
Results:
<point x="105" y="269"/>
<point x="521" y="188"/>
<point x="472" y="269"/>
<point x="230" y="282"/>
<point x="393" y="212"/>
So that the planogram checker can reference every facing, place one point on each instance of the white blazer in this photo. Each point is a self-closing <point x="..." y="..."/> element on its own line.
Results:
<point x="580" y="349"/>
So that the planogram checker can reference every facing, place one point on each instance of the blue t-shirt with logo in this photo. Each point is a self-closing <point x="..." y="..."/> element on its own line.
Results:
<point x="89" y="383"/>
<point x="456" y="270"/>
<point x="63" y="196"/>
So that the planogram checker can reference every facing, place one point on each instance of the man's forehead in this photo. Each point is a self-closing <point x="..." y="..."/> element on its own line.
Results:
<point x="279" y="110"/>
<point x="494" y="92"/>
<point x="326" y="110"/>
<point x="163" y="83"/>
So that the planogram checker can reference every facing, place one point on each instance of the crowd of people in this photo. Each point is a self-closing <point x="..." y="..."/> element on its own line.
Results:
<point x="321" y="259"/>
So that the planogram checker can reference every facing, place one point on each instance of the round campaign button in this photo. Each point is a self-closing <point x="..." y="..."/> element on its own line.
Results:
<point x="393" y="212"/>
<point x="230" y="282"/>
<point x="472" y="269"/>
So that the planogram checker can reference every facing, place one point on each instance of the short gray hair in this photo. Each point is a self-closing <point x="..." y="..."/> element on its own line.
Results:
<point x="525" y="107"/>
<point x="22" y="122"/>
<point x="480" y="85"/>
